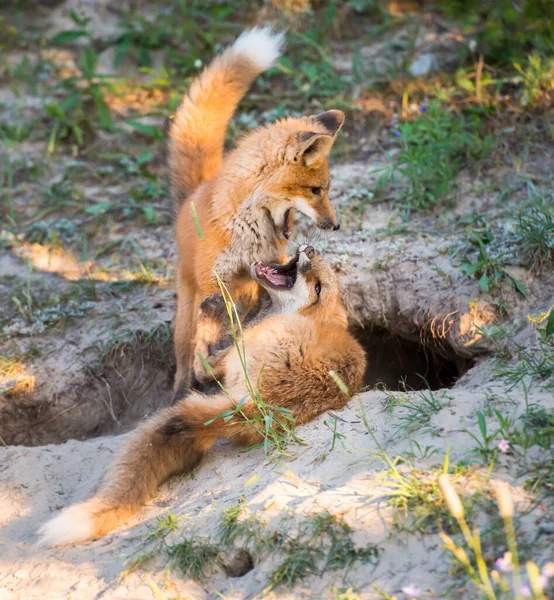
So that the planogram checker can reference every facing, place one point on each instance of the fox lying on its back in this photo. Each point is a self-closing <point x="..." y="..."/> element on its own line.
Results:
<point x="245" y="203"/>
<point x="290" y="353"/>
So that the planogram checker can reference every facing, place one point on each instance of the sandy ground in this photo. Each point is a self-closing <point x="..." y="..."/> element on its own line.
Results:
<point x="409" y="303"/>
<point x="38" y="481"/>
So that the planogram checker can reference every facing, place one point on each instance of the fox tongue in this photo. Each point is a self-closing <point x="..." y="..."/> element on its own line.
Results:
<point x="278" y="279"/>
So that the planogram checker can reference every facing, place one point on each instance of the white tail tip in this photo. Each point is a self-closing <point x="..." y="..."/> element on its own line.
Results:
<point x="261" y="45"/>
<point x="72" y="525"/>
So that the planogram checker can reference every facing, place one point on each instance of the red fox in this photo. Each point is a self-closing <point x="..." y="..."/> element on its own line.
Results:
<point x="246" y="200"/>
<point x="290" y="353"/>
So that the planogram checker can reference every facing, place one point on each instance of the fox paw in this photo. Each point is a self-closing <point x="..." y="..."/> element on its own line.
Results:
<point x="201" y="374"/>
<point x="213" y="306"/>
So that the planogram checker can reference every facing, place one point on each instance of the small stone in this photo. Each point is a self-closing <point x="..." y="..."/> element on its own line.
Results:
<point x="423" y="65"/>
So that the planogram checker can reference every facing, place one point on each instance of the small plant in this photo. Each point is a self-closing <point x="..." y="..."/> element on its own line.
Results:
<point x="37" y="312"/>
<point x="238" y="523"/>
<point x="194" y="557"/>
<point x="496" y="583"/>
<point x="275" y="424"/>
<point x="155" y="539"/>
<point x="535" y="75"/>
<point x="414" y="496"/>
<point x="484" y="442"/>
<point x="324" y="542"/>
<point x="534" y="230"/>
<point x="85" y="93"/>
<point x="332" y="425"/>
<point x="485" y="266"/>
<point x="520" y="365"/>
<point x="418" y="411"/>
<point x="433" y="148"/>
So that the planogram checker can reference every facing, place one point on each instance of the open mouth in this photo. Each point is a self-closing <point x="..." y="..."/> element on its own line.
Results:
<point x="278" y="276"/>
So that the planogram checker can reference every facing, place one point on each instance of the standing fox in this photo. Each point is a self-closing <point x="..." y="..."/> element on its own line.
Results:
<point x="245" y="202"/>
<point x="290" y="353"/>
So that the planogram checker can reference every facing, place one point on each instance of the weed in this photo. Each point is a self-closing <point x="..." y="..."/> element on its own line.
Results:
<point x="300" y="561"/>
<point x="194" y="557"/>
<point x="495" y="583"/>
<point x="332" y="425"/>
<point x="274" y="424"/>
<point x="433" y="148"/>
<point x="523" y="366"/>
<point x="155" y="344"/>
<point x="238" y="523"/>
<point x="505" y="30"/>
<point x="534" y="230"/>
<point x="324" y="542"/>
<point x="485" y="266"/>
<point x="40" y="309"/>
<point x="535" y="75"/>
<point x="155" y="539"/>
<point x="484" y="442"/>
<point x="84" y="94"/>
<point x="54" y="233"/>
<point x="418" y="410"/>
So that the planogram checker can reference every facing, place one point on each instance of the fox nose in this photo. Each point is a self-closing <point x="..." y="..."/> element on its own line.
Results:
<point x="328" y="224"/>
<point x="336" y="227"/>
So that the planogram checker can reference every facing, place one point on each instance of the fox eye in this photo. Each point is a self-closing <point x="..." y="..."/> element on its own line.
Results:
<point x="318" y="288"/>
<point x="316" y="191"/>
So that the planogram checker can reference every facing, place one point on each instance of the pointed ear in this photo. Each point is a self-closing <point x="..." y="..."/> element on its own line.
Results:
<point x="313" y="147"/>
<point x="332" y="120"/>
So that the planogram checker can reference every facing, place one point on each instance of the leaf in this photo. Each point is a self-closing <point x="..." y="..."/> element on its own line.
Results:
<point x="340" y="383"/>
<point x="549" y="330"/>
<point x="471" y="269"/>
<point x="144" y="158"/>
<point x="104" y="115"/>
<point x="252" y="480"/>
<point x="148" y="130"/>
<point x="484" y="282"/>
<point x="240" y="404"/>
<point x="158" y="594"/>
<point x="88" y="62"/>
<point x="482" y="424"/>
<point x="204" y="362"/>
<point x="99" y="208"/>
<point x="149" y="213"/>
<point x="65" y="37"/>
<point x="518" y="286"/>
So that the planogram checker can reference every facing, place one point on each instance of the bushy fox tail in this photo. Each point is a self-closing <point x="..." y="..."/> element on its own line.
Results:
<point x="173" y="441"/>
<point x="197" y="133"/>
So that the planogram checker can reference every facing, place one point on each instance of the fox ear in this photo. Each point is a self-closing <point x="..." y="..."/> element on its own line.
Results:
<point x="332" y="120"/>
<point x="313" y="147"/>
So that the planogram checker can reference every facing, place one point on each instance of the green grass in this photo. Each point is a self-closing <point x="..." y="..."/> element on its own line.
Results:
<point x="195" y="557"/>
<point x="323" y="543"/>
<point x="155" y="345"/>
<point x="35" y="308"/>
<point x="434" y="146"/>
<point x="524" y="366"/>
<point x="479" y="257"/>
<point x="417" y="408"/>
<point x="534" y="230"/>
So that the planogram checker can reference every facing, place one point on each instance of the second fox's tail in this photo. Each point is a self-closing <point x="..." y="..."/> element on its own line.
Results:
<point x="197" y="133"/>
<point x="173" y="441"/>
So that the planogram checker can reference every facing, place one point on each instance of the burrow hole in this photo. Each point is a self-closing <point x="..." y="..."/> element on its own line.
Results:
<point x="396" y="363"/>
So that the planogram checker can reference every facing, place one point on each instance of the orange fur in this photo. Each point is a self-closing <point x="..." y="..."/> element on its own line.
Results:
<point x="290" y="353"/>
<point x="245" y="201"/>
